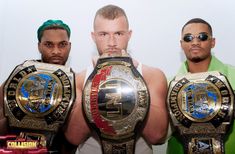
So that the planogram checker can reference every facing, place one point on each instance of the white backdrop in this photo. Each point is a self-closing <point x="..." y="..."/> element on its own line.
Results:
<point x="156" y="26"/>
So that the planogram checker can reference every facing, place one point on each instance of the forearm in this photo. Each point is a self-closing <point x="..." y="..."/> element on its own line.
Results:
<point x="77" y="130"/>
<point x="156" y="127"/>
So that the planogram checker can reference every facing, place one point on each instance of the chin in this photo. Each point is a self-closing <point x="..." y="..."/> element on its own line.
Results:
<point x="56" y="62"/>
<point x="196" y="59"/>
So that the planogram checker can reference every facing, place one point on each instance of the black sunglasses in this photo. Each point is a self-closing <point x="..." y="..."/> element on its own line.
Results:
<point x="200" y="36"/>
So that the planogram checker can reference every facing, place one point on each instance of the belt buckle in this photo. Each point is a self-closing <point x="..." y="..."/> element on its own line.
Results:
<point x="201" y="108"/>
<point x="115" y="101"/>
<point x="38" y="96"/>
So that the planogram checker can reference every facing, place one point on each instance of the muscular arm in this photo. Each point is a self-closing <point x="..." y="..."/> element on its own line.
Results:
<point x="155" y="129"/>
<point x="77" y="130"/>
<point x="3" y="120"/>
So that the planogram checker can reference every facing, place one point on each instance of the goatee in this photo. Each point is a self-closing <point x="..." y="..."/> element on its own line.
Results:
<point x="196" y="59"/>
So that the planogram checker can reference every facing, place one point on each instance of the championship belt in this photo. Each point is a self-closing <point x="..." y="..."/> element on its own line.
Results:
<point x="38" y="97"/>
<point x="201" y="110"/>
<point x="115" y="103"/>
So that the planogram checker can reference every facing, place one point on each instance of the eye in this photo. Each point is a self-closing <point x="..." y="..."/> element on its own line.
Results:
<point x="188" y="38"/>
<point x="203" y="37"/>
<point x="48" y="44"/>
<point x="119" y="33"/>
<point x="63" y="44"/>
<point x="102" y="34"/>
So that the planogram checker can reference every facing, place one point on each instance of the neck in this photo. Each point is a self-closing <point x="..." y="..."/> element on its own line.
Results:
<point x="198" y="67"/>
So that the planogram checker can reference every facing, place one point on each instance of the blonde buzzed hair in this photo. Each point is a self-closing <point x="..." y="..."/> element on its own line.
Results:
<point x="111" y="12"/>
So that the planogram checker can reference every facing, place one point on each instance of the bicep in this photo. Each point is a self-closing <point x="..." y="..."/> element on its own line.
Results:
<point x="159" y="90"/>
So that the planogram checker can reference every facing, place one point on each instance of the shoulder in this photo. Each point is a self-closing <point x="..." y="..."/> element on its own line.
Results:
<point x="152" y="73"/>
<point x="230" y="67"/>
<point x="81" y="74"/>
<point x="154" y="78"/>
<point x="230" y="74"/>
<point x="80" y="77"/>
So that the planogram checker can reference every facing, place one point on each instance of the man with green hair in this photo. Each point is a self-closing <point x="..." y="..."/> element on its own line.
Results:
<point x="197" y="42"/>
<point x="53" y="42"/>
<point x="54" y="45"/>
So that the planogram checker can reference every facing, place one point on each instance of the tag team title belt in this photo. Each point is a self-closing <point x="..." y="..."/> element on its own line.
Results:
<point x="116" y="102"/>
<point x="38" y="97"/>
<point x="201" y="110"/>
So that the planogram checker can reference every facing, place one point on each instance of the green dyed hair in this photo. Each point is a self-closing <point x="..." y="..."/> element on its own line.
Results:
<point x="52" y="24"/>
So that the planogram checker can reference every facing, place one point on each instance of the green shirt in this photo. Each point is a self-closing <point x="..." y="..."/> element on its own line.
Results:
<point x="174" y="143"/>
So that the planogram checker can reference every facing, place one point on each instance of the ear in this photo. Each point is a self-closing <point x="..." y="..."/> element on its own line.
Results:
<point x="129" y="34"/>
<point x="181" y="43"/>
<point x="70" y="46"/>
<point x="93" y="36"/>
<point x="212" y="42"/>
<point x="39" y="47"/>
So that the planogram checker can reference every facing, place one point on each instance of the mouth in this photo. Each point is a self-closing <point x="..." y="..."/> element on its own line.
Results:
<point x="56" y="60"/>
<point x="112" y="50"/>
<point x="195" y="50"/>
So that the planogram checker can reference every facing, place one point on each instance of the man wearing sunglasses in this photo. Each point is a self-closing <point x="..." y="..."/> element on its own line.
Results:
<point x="197" y="41"/>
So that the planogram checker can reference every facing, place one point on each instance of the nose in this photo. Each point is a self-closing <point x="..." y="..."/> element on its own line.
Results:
<point x="112" y="41"/>
<point x="196" y="41"/>
<point x="55" y="50"/>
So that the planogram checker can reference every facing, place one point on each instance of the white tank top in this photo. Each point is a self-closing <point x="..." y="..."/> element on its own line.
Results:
<point x="92" y="145"/>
